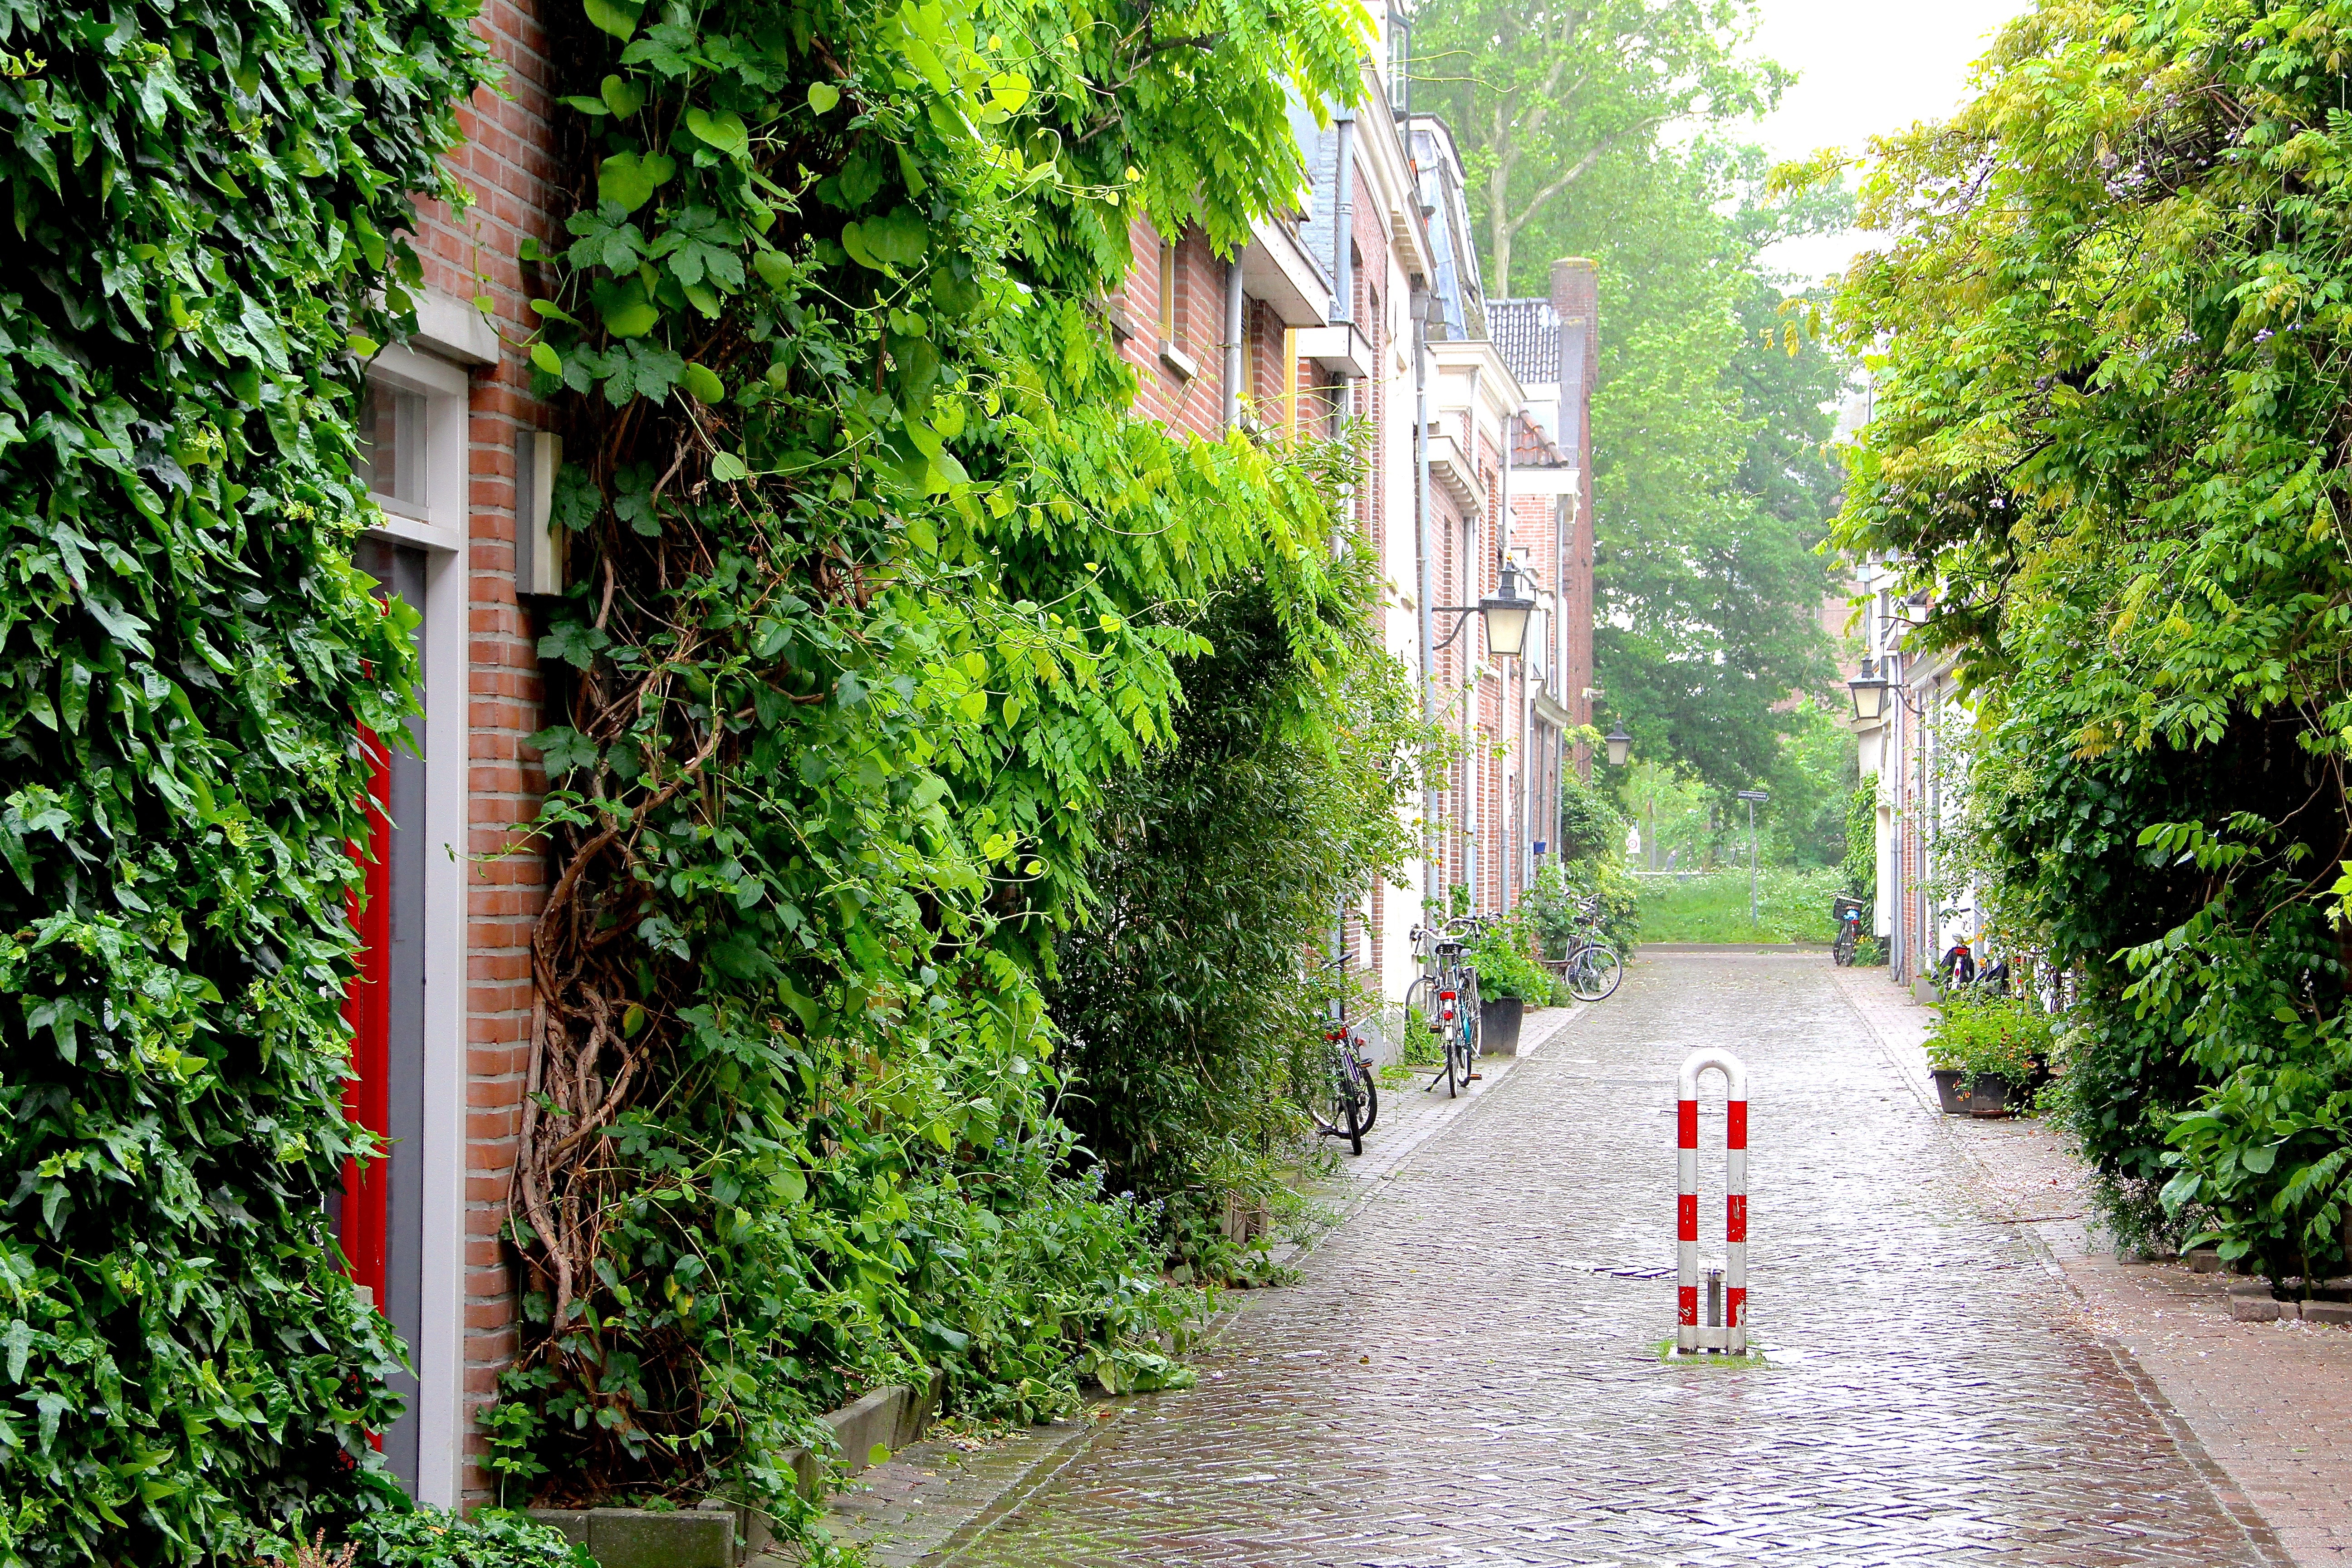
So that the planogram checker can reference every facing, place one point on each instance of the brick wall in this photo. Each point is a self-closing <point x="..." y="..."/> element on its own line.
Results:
<point x="506" y="163"/>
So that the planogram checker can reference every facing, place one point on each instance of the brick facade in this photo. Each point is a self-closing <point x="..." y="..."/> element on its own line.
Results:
<point x="507" y="163"/>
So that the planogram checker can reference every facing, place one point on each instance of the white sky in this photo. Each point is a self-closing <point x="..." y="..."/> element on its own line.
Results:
<point x="1865" y="68"/>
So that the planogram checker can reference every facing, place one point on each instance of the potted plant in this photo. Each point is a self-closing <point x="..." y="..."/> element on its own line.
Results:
<point x="1985" y="1052"/>
<point x="1509" y="979"/>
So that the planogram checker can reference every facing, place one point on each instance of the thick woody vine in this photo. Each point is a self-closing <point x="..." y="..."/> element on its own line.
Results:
<point x="874" y="584"/>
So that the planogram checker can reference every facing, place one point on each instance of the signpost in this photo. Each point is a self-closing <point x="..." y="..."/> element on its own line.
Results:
<point x="1752" y="796"/>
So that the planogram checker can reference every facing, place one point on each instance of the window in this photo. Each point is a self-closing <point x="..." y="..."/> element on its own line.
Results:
<point x="393" y="443"/>
<point x="1167" y="291"/>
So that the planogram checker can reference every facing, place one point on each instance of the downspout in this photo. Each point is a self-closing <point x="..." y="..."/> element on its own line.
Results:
<point x="1343" y="222"/>
<point x="1509" y="867"/>
<point x="1234" y="343"/>
<point x="1422" y="591"/>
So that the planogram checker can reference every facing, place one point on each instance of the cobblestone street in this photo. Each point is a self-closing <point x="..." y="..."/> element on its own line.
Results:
<point x="1468" y="1371"/>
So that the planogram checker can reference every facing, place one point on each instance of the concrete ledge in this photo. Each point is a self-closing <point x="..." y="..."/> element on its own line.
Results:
<point x="716" y="1533"/>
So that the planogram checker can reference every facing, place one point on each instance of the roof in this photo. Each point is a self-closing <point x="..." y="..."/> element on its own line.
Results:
<point x="1527" y="334"/>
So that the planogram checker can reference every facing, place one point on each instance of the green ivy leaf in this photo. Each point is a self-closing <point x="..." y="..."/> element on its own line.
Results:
<point x="623" y="97"/>
<point x="631" y="180"/>
<point x="615" y="17"/>
<point x="723" y="132"/>
<point x="728" y="468"/>
<point x="626" y="312"/>
<point x="899" y="239"/>
<point x="701" y="382"/>
<point x="822" y="96"/>
<point x="547" y="359"/>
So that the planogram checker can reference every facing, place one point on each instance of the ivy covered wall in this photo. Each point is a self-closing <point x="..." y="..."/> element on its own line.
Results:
<point x="204" y="199"/>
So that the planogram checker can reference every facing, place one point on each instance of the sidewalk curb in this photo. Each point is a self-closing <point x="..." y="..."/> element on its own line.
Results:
<point x="2226" y="1491"/>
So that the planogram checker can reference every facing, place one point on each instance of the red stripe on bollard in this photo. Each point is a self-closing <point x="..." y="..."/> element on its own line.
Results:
<point x="1735" y="1217"/>
<point x="1735" y="1126"/>
<point x="1735" y="1306"/>
<point x="1686" y="1124"/>
<point x="1686" y="1217"/>
<point x="1687" y="1305"/>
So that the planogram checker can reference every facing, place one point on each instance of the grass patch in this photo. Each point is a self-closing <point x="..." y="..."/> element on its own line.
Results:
<point x="1748" y="1361"/>
<point x="1712" y="906"/>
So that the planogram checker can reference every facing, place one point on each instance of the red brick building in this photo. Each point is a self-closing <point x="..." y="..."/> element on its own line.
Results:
<point x="1318" y="325"/>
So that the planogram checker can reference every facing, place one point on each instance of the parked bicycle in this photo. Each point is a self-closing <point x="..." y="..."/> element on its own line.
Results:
<point x="1351" y="1101"/>
<point x="1847" y="912"/>
<point x="1592" y="966"/>
<point x="1447" y="994"/>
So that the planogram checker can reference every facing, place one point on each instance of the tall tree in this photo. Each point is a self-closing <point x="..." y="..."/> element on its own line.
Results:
<point x="1542" y="95"/>
<point x="1711" y="484"/>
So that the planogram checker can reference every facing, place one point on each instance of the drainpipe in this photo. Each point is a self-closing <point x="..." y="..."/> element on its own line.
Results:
<point x="1343" y="222"/>
<point x="1234" y="343"/>
<point x="1422" y="589"/>
<point x="1514" y="855"/>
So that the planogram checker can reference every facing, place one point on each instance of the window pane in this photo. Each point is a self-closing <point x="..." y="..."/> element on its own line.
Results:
<point x="392" y="445"/>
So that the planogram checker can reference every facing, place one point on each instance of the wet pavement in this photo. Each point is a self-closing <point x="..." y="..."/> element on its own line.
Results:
<point x="1468" y="1371"/>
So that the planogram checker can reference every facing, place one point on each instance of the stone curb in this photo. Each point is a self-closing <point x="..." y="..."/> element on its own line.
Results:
<point x="2227" y="1494"/>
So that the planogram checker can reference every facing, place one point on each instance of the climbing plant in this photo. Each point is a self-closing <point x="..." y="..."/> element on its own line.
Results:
<point x="2109" y="435"/>
<point x="207" y="201"/>
<point x="876" y="585"/>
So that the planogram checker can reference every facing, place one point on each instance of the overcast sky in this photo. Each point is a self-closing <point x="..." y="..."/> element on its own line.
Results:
<point x="1865" y="68"/>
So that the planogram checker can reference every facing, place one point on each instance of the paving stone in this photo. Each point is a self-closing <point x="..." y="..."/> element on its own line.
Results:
<point x="1468" y="1372"/>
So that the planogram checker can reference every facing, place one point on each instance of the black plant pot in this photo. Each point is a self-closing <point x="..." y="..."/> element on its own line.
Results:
<point x="1499" y="1025"/>
<point x="1949" y="1090"/>
<point x="1994" y="1095"/>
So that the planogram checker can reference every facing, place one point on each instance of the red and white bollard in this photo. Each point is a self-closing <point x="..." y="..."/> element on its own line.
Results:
<point x="1727" y="1327"/>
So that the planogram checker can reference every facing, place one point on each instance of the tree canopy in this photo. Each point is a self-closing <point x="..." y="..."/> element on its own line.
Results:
<point x="1540" y="96"/>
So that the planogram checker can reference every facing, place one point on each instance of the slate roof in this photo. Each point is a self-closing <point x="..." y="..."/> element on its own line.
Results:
<point x="1527" y="334"/>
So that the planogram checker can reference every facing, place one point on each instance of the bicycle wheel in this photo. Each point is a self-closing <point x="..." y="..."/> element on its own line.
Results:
<point x="1449" y="1045"/>
<point x="1347" y="1113"/>
<point x="1842" y="954"/>
<point x="1593" y="973"/>
<point x="1370" y="1093"/>
<point x="1473" y="1012"/>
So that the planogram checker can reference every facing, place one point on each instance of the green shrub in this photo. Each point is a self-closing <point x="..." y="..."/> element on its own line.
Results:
<point x="1712" y="906"/>
<point x="1862" y="841"/>
<point x="1502" y="957"/>
<point x="1978" y="1034"/>
<point x="492" y="1537"/>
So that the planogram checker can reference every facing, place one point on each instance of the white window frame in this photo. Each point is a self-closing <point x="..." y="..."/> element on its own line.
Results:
<point x="444" y="646"/>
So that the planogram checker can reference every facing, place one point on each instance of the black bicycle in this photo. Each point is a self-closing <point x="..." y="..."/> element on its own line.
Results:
<point x="1447" y="994"/>
<point x="1351" y="1098"/>
<point x="1591" y="968"/>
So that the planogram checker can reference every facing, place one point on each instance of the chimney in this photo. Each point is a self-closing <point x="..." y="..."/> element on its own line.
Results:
<point x="1575" y="297"/>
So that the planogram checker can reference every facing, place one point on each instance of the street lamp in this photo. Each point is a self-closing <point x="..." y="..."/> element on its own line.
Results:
<point x="1869" y="690"/>
<point x="1505" y="614"/>
<point x="1620" y="744"/>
